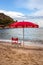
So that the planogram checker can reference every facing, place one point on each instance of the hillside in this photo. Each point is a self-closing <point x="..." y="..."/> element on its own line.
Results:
<point x="5" y="20"/>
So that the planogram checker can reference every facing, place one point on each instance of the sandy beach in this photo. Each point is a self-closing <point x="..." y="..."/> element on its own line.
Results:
<point x="10" y="55"/>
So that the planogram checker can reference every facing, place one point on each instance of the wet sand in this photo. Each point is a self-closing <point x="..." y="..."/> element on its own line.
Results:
<point x="11" y="55"/>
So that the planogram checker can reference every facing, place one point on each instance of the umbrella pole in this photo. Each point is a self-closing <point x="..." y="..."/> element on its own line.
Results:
<point x="23" y="37"/>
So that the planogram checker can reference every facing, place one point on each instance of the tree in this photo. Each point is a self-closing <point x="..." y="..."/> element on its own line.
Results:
<point x="5" y="20"/>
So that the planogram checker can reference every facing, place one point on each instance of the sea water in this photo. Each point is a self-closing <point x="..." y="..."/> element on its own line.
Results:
<point x="29" y="34"/>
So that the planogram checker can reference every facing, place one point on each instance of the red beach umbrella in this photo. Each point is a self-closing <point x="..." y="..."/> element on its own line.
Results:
<point x="23" y="24"/>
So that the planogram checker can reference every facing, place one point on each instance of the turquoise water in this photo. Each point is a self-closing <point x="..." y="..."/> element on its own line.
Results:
<point x="29" y="33"/>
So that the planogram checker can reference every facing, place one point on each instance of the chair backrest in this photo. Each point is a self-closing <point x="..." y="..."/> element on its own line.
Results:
<point x="14" y="38"/>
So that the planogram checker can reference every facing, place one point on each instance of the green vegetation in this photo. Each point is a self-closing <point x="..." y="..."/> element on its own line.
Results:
<point x="5" y="20"/>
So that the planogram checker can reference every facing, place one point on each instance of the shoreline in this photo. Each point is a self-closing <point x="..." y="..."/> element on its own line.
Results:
<point x="26" y="47"/>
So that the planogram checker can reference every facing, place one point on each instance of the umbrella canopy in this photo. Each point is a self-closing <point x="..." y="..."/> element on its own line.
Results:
<point x="23" y="24"/>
